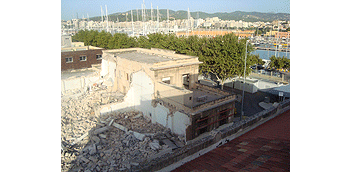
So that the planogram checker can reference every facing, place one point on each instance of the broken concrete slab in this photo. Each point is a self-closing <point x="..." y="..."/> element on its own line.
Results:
<point x="101" y="130"/>
<point x="161" y="153"/>
<point x="179" y="143"/>
<point x="139" y="136"/>
<point x="120" y="127"/>
<point x="134" y="163"/>
<point x="111" y="122"/>
<point x="137" y="116"/>
<point x="102" y="136"/>
<point x="154" y="145"/>
<point x="96" y="139"/>
<point x="86" y="160"/>
<point x="80" y="138"/>
<point x="92" y="149"/>
<point x="169" y="143"/>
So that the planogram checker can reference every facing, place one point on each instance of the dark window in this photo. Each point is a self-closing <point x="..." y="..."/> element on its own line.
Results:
<point x="83" y="58"/>
<point x="69" y="59"/>
<point x="98" y="56"/>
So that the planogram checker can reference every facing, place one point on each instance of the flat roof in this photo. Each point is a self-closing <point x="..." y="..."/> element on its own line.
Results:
<point x="143" y="57"/>
<point x="204" y="96"/>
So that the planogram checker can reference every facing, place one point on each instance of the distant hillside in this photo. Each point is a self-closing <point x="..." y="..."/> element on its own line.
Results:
<point x="237" y="15"/>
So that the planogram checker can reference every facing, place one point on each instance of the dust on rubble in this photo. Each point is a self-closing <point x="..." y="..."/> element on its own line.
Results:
<point x="112" y="142"/>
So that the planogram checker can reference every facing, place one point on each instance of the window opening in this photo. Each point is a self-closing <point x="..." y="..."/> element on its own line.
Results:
<point x="83" y="58"/>
<point x="166" y="80"/>
<point x="69" y="60"/>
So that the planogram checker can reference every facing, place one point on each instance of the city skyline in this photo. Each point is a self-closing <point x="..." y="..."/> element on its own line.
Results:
<point x="80" y="8"/>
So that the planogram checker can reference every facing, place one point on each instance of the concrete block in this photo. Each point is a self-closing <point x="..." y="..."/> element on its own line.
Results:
<point x="139" y="136"/>
<point x="101" y="130"/>
<point x="169" y="143"/>
<point x="96" y="139"/>
<point x="120" y="127"/>
<point x="102" y="136"/>
<point x="80" y="138"/>
<point x="154" y="145"/>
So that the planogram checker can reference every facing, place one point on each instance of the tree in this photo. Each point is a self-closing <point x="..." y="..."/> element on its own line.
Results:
<point x="121" y="40"/>
<point x="255" y="59"/>
<point x="279" y="62"/>
<point x="224" y="56"/>
<point x="79" y="36"/>
<point x="103" y="39"/>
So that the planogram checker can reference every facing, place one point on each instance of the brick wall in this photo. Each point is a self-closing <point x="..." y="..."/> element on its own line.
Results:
<point x="76" y="63"/>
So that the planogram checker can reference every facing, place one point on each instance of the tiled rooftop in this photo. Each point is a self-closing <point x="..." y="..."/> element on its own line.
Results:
<point x="265" y="148"/>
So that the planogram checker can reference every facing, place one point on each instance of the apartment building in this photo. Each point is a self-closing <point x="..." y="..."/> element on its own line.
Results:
<point x="80" y="57"/>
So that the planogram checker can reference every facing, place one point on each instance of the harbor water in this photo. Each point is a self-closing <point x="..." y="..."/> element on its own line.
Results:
<point x="265" y="54"/>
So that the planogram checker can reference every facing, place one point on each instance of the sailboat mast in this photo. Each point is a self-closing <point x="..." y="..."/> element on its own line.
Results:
<point x="132" y="23"/>
<point x="107" y="19"/>
<point x="168" y="26"/>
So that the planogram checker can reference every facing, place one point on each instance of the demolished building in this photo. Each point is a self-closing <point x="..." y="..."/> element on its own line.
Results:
<point x="164" y="87"/>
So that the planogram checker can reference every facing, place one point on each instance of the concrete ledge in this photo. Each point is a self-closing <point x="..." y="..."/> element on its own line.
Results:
<point x="198" y="147"/>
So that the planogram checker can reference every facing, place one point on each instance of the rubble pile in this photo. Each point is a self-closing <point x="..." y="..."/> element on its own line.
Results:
<point x="112" y="142"/>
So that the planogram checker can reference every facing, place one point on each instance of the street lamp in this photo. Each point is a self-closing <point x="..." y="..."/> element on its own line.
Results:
<point x="244" y="80"/>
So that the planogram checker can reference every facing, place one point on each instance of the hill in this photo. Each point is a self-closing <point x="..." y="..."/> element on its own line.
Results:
<point x="237" y="15"/>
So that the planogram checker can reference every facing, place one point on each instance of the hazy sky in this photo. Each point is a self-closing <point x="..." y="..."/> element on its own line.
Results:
<point x="70" y="8"/>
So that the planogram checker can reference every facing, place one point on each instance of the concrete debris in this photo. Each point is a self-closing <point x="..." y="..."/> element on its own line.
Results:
<point x="169" y="143"/>
<point x="101" y="130"/>
<point x="139" y="136"/>
<point x="112" y="142"/>
<point x="120" y="127"/>
<point x="102" y="136"/>
<point x="137" y="116"/>
<point x="111" y="122"/>
<point x="179" y="143"/>
<point x="80" y="138"/>
<point x="161" y="153"/>
<point x="96" y="139"/>
<point x="154" y="145"/>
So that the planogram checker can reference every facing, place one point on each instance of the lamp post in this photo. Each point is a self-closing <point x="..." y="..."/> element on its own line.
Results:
<point x="244" y="80"/>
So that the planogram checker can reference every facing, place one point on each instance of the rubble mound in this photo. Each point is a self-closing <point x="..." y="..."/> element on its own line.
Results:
<point x="112" y="142"/>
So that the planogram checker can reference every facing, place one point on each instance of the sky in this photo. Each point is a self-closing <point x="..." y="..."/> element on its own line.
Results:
<point x="70" y="8"/>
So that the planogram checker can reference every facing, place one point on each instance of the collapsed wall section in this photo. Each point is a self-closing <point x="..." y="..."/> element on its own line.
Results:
<point x="139" y="97"/>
